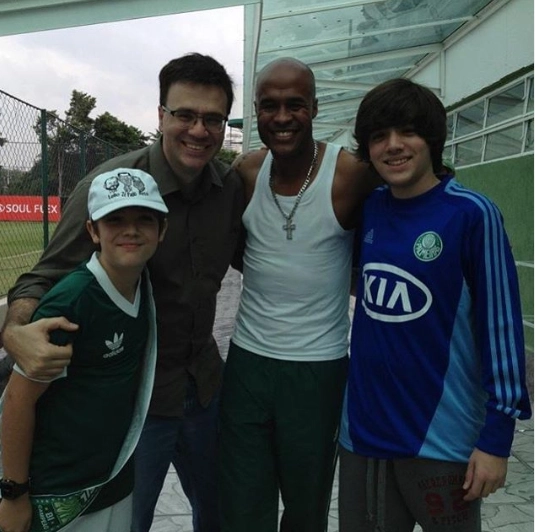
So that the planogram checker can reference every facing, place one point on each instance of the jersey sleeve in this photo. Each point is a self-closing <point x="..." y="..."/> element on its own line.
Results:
<point x="493" y="282"/>
<point x="20" y="371"/>
<point x="52" y="308"/>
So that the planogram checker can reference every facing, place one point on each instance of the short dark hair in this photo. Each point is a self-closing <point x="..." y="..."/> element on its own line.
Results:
<point x="196" y="68"/>
<point x="399" y="103"/>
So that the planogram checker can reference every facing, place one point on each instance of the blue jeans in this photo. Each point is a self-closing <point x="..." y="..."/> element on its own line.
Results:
<point x="190" y="444"/>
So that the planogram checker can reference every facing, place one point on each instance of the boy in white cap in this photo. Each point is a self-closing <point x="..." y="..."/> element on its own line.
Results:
<point x="67" y="444"/>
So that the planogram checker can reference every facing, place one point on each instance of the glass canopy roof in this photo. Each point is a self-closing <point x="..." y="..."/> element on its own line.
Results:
<point x="351" y="46"/>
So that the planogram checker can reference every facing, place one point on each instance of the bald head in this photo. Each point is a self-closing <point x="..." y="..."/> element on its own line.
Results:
<point x="286" y="68"/>
<point x="285" y="105"/>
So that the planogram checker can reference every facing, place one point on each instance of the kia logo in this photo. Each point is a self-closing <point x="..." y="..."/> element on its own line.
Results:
<point x="392" y="294"/>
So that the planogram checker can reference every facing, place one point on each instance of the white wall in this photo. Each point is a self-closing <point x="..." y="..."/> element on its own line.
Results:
<point x="499" y="46"/>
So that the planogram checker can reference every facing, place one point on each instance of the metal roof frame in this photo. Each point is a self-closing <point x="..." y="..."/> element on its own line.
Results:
<point x="344" y="76"/>
<point x="351" y="45"/>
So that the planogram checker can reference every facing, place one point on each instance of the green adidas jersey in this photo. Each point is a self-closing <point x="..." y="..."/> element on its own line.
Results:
<point x="83" y="418"/>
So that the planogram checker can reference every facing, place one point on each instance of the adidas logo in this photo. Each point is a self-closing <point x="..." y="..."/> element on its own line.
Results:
<point x="368" y="238"/>
<point x="115" y="346"/>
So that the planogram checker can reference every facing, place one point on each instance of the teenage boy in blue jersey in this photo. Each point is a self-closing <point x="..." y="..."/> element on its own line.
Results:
<point x="67" y="444"/>
<point x="437" y="371"/>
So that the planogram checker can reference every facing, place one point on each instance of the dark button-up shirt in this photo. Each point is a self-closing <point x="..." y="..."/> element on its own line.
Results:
<point x="186" y="270"/>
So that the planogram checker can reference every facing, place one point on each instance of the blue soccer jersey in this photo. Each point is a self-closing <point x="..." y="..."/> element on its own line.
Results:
<point x="437" y="350"/>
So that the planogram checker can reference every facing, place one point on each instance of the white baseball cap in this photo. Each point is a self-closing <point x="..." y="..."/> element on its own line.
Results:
<point x="123" y="187"/>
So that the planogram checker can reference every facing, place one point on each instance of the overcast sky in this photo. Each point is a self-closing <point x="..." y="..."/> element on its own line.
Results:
<point x="118" y="63"/>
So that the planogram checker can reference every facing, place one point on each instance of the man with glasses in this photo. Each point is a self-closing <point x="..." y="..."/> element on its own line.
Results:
<point x="214" y="123"/>
<point x="205" y="202"/>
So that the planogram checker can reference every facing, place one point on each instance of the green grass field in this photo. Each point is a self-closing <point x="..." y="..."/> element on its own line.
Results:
<point x="21" y="245"/>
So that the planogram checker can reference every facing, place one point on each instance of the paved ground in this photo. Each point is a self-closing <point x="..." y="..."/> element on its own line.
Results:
<point x="508" y="510"/>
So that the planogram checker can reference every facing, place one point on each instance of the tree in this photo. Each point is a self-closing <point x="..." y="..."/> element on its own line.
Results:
<point x="154" y="135"/>
<point x="73" y="144"/>
<point x="109" y="128"/>
<point x="24" y="183"/>
<point x="227" y="156"/>
<point x="60" y="140"/>
<point x="81" y="106"/>
<point x="63" y="142"/>
<point x="13" y="181"/>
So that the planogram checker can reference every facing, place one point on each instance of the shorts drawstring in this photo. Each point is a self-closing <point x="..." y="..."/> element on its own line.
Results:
<point x="381" y="496"/>
<point x="376" y="492"/>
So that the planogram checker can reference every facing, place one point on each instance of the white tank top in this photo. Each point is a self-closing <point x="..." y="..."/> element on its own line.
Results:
<point x="295" y="299"/>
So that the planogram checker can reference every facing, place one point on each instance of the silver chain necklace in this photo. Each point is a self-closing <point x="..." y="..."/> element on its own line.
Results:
<point x="289" y="226"/>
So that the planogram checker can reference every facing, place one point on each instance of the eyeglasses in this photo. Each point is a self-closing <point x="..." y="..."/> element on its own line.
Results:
<point x="186" y="119"/>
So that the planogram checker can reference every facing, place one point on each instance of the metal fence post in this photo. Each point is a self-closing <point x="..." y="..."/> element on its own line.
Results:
<point x="83" y="155"/>
<point x="41" y="159"/>
<point x="44" y="175"/>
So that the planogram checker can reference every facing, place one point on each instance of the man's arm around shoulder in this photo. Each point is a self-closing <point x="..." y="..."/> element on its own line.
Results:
<point x="29" y="343"/>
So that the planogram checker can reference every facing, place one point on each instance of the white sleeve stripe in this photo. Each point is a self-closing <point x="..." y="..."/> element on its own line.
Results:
<point x="499" y="310"/>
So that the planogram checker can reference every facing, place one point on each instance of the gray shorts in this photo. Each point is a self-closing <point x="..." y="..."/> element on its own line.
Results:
<point x="394" y="495"/>
<point x="116" y="518"/>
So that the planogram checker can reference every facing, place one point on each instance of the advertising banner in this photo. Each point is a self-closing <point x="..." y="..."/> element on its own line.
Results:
<point x="28" y="208"/>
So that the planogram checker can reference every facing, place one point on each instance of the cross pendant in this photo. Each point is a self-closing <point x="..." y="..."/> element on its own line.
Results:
<point x="289" y="227"/>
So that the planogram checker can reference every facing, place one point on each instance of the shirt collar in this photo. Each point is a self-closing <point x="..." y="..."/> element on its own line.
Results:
<point x="94" y="266"/>
<point x="165" y="177"/>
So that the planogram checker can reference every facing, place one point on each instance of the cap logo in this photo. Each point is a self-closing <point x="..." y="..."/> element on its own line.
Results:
<point x="128" y="182"/>
<point x="121" y="188"/>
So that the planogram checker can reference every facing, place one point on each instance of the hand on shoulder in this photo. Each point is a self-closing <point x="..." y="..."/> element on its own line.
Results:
<point x="30" y="347"/>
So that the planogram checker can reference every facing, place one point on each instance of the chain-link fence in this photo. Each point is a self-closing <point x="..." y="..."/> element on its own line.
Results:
<point x="41" y="159"/>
